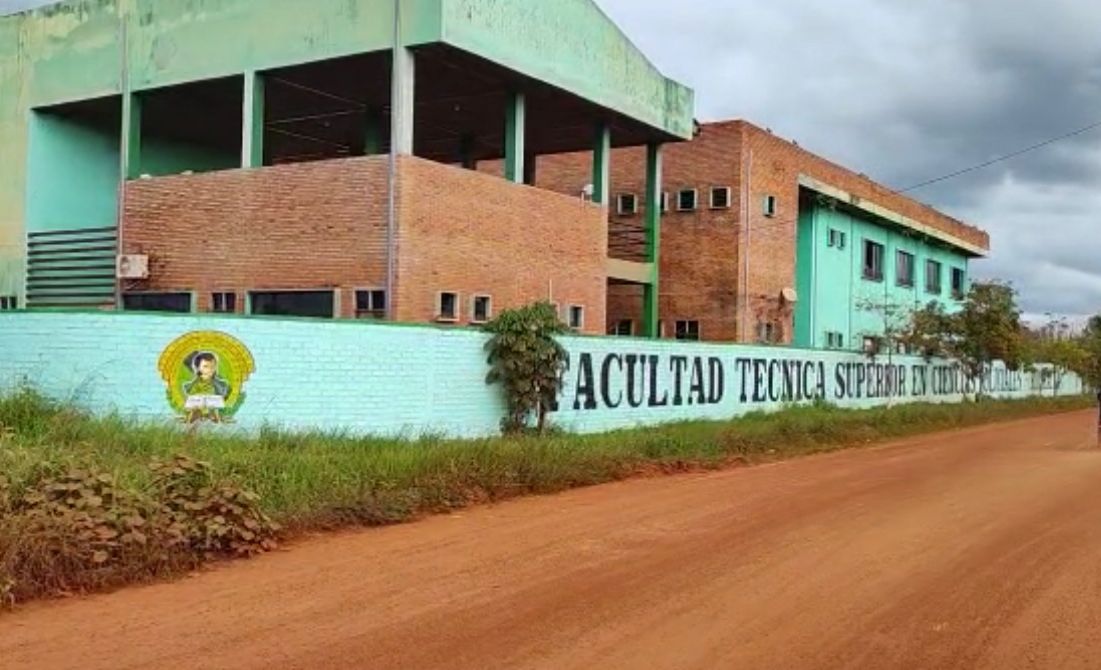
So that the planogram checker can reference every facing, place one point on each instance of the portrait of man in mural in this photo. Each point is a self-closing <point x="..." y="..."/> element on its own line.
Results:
<point x="206" y="393"/>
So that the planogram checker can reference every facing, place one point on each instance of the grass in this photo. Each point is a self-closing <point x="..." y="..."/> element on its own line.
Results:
<point x="310" y="481"/>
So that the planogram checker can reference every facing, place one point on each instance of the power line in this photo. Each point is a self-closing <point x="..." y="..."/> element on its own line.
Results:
<point x="1000" y="159"/>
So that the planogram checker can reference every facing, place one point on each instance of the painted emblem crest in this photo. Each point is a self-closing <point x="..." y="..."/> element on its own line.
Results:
<point x="206" y="373"/>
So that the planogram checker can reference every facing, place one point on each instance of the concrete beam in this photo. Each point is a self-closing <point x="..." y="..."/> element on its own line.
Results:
<point x="630" y="271"/>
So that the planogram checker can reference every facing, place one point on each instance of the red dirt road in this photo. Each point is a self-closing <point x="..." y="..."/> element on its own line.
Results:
<point x="976" y="549"/>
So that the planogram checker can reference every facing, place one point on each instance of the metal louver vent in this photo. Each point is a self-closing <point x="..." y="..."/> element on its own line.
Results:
<point x="71" y="268"/>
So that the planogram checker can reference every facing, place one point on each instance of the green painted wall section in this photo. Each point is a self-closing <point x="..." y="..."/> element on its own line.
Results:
<point x="573" y="45"/>
<point x="833" y="293"/>
<point x="73" y="175"/>
<point x="164" y="157"/>
<point x="13" y="155"/>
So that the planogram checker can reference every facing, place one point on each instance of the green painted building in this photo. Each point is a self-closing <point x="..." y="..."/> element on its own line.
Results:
<point x="861" y="269"/>
<point x="96" y="92"/>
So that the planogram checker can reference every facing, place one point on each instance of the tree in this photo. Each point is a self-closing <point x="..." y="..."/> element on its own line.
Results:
<point x="985" y="329"/>
<point x="528" y="362"/>
<point x="895" y="317"/>
<point x="1090" y="342"/>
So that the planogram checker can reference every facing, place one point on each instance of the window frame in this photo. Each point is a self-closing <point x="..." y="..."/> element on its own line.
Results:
<point x="684" y="334"/>
<point x="9" y="303"/>
<point x="372" y="312"/>
<point x="938" y="289"/>
<point x="615" y="330"/>
<point x="190" y="296"/>
<point x="623" y="211"/>
<point x="695" y="199"/>
<point x="456" y="304"/>
<point x="867" y="272"/>
<point x="770" y="206"/>
<point x="252" y="294"/>
<point x="961" y="292"/>
<point x="215" y="308"/>
<point x="580" y="322"/>
<point x="899" y="280"/>
<point x="728" y="193"/>
<point x="474" y="308"/>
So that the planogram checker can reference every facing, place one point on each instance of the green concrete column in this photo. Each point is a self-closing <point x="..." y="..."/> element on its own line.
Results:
<point x="252" y="127"/>
<point x="602" y="160"/>
<point x="650" y="293"/>
<point x="372" y="143"/>
<point x="403" y="101"/>
<point x="131" y="135"/>
<point x="514" y="138"/>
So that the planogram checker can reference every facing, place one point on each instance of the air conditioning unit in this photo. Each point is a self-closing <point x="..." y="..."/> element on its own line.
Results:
<point x="132" y="266"/>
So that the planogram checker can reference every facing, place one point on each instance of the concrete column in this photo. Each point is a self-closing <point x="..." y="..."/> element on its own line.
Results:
<point x="372" y="143"/>
<point x="131" y="135"/>
<point x="514" y="138"/>
<point x="602" y="160"/>
<point x="403" y="100"/>
<point x="651" y="293"/>
<point x="252" y="127"/>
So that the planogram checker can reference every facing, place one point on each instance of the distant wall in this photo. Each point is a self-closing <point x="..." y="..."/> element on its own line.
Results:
<point x="390" y="379"/>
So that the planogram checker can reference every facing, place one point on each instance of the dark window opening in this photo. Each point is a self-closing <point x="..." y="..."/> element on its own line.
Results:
<point x="627" y="204"/>
<point x="9" y="302"/>
<point x="317" y="304"/>
<point x="932" y="277"/>
<point x="905" y="269"/>
<point x="157" y="302"/>
<point x="448" y="307"/>
<point x="481" y="309"/>
<point x="770" y="206"/>
<point x="688" y="330"/>
<point x="371" y="304"/>
<point x="720" y="197"/>
<point x="686" y="200"/>
<point x="224" y="302"/>
<point x="622" y="328"/>
<point x="958" y="281"/>
<point x="873" y="260"/>
<point x="577" y="317"/>
<point x="836" y="238"/>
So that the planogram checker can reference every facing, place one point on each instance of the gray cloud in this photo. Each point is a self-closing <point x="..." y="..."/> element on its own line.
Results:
<point x="909" y="91"/>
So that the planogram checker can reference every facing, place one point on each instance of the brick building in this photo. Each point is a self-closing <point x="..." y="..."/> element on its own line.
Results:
<point x="246" y="156"/>
<point x="763" y="241"/>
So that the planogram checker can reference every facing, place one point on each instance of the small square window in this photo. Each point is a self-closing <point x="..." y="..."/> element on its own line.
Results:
<point x="622" y="328"/>
<point x="766" y="331"/>
<point x="577" y="317"/>
<point x="835" y="238"/>
<point x="770" y="205"/>
<point x="223" y="302"/>
<point x="371" y="304"/>
<point x="447" y="306"/>
<point x="9" y="302"/>
<point x="688" y="330"/>
<point x="720" y="197"/>
<point x="627" y="204"/>
<point x="687" y="200"/>
<point x="872" y="345"/>
<point x="481" y="309"/>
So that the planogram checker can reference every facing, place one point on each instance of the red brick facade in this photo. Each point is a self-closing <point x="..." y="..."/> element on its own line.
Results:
<point x="702" y="265"/>
<point x="322" y="225"/>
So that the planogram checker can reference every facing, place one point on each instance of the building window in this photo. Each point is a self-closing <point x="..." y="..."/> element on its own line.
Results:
<point x="873" y="260"/>
<point x="481" y="309"/>
<point x="224" y="302"/>
<point x="316" y="304"/>
<point x="626" y="204"/>
<point x="687" y="200"/>
<point x="665" y="202"/>
<point x="958" y="282"/>
<point x="157" y="302"/>
<point x="904" y="270"/>
<point x="447" y="306"/>
<point x="770" y="206"/>
<point x="932" y="277"/>
<point x="8" y="302"/>
<point x="720" y="197"/>
<point x="622" y="328"/>
<point x="835" y="340"/>
<point x="836" y="238"/>
<point x="766" y="332"/>
<point x="871" y="345"/>
<point x="577" y="317"/>
<point x="688" y="330"/>
<point x="371" y="304"/>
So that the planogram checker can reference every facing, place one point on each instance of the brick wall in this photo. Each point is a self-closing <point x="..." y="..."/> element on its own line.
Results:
<point x="323" y="225"/>
<point x="702" y="261"/>
<point x="474" y="233"/>
<point x="307" y="225"/>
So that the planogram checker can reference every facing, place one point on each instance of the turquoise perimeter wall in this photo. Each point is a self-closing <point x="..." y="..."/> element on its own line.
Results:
<point x="384" y="379"/>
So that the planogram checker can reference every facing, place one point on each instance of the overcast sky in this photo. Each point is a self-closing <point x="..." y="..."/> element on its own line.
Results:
<point x="907" y="90"/>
